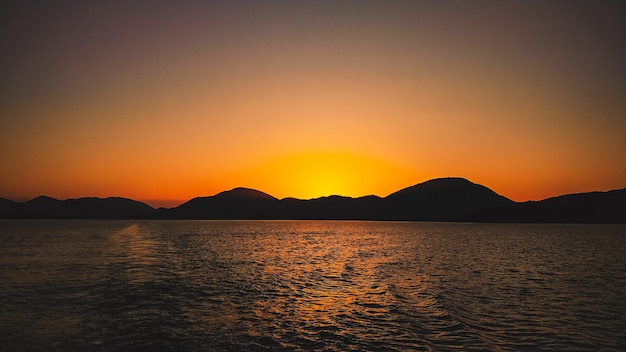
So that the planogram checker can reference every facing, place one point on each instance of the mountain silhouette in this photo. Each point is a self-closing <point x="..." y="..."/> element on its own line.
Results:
<point x="6" y="205"/>
<point x="593" y="207"/>
<point x="332" y="208"/>
<point x="238" y="203"/>
<point x="443" y="199"/>
<point x="44" y="207"/>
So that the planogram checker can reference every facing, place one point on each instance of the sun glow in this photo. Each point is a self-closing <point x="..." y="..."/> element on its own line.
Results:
<point x="323" y="173"/>
<point x="310" y="99"/>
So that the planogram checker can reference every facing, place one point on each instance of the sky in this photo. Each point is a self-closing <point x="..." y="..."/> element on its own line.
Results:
<point x="163" y="101"/>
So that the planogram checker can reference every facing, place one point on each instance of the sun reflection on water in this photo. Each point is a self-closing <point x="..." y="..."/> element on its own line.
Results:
<point x="309" y="278"/>
<point x="310" y="285"/>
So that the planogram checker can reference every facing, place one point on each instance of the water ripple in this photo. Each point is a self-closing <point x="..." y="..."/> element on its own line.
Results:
<point x="310" y="285"/>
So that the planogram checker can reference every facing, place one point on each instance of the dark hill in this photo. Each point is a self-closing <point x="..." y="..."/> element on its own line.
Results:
<point x="44" y="207"/>
<point x="445" y="199"/>
<point x="108" y="208"/>
<point x="6" y="205"/>
<point x="242" y="193"/>
<point x="593" y="207"/>
<point x="238" y="203"/>
<point x="442" y="199"/>
<point x="331" y="208"/>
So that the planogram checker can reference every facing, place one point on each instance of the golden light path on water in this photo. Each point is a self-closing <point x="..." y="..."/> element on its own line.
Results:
<point x="310" y="285"/>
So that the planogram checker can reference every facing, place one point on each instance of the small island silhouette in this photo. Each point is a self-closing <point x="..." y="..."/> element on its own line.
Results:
<point x="443" y="199"/>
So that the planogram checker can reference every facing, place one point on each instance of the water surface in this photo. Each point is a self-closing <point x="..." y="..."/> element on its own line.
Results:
<point x="310" y="285"/>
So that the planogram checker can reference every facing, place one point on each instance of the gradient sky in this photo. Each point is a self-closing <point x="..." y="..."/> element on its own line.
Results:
<point x="168" y="100"/>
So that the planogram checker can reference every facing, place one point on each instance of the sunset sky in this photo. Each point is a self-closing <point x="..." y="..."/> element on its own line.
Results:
<point x="169" y="100"/>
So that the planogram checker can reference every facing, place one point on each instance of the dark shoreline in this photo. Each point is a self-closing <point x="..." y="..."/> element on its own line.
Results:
<point x="439" y="200"/>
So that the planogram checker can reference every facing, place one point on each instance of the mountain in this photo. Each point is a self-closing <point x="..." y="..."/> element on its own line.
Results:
<point x="238" y="203"/>
<point x="443" y="199"/>
<point x="593" y="207"/>
<point x="446" y="199"/>
<point x="6" y="205"/>
<point x="44" y="207"/>
<point x="331" y="208"/>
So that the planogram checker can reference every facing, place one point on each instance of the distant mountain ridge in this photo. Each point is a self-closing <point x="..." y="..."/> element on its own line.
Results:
<point x="442" y="199"/>
<point x="238" y="203"/>
<point x="592" y="207"/>
<point x="44" y="207"/>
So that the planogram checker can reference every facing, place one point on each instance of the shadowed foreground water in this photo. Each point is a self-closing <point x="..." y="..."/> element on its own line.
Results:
<point x="310" y="285"/>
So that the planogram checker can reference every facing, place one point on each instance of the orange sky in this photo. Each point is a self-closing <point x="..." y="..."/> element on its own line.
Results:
<point x="171" y="100"/>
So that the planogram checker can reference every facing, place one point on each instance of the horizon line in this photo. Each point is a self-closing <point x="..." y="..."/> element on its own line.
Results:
<point x="179" y="202"/>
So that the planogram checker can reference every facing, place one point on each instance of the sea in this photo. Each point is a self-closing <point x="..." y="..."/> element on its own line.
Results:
<point x="87" y="285"/>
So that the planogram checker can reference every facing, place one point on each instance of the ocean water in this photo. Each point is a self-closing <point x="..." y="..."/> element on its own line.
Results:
<point x="310" y="285"/>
